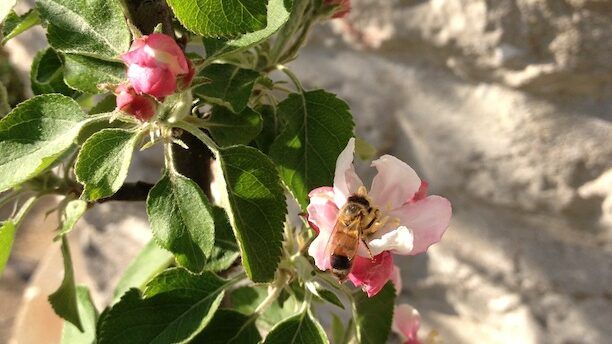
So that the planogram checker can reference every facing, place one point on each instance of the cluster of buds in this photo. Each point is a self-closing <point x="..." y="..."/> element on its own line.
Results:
<point x="156" y="68"/>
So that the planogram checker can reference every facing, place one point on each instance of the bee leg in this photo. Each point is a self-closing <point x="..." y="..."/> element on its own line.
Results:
<point x="368" y="248"/>
<point x="376" y="225"/>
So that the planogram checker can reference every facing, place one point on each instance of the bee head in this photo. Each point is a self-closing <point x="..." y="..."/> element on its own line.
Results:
<point x="356" y="205"/>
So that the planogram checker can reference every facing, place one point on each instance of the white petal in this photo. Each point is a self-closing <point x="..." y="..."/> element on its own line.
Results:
<point x="397" y="241"/>
<point x="428" y="219"/>
<point x="317" y="251"/>
<point x="395" y="183"/>
<point x="346" y="181"/>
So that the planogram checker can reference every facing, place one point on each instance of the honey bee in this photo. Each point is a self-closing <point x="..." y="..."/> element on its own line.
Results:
<point x="357" y="219"/>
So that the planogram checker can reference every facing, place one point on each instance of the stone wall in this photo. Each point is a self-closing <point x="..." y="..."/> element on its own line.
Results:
<point x="505" y="107"/>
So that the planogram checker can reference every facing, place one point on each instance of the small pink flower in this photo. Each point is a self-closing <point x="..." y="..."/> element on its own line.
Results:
<point x="344" y="7"/>
<point x="142" y="107"/>
<point x="406" y="323"/>
<point x="154" y="62"/>
<point x="415" y="221"/>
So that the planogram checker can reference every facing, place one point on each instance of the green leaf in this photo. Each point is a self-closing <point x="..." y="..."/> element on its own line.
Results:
<point x="85" y="73"/>
<point x="220" y="18"/>
<point x="176" y="307"/>
<point x="319" y="126"/>
<point x="89" y="316"/>
<point x="226" y="250"/>
<point x="181" y="219"/>
<point x="5" y="8"/>
<point x="103" y="162"/>
<point x="213" y="45"/>
<point x="71" y="214"/>
<point x="229" y="85"/>
<point x="95" y="28"/>
<point x="107" y="104"/>
<point x="149" y="262"/>
<point x="16" y="24"/>
<point x="98" y="123"/>
<point x="338" y="330"/>
<point x="64" y="299"/>
<point x="256" y="208"/>
<point x="228" y="128"/>
<point x="47" y="74"/>
<point x="278" y="14"/>
<point x="270" y="128"/>
<point x="324" y="294"/>
<point x="7" y="235"/>
<point x="301" y="328"/>
<point x="229" y="327"/>
<point x="246" y="299"/>
<point x="35" y="134"/>
<point x="7" y="232"/>
<point x="374" y="315"/>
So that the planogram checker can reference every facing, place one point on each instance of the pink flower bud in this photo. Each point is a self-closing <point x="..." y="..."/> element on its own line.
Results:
<point x="142" y="107"/>
<point x="154" y="62"/>
<point x="344" y="7"/>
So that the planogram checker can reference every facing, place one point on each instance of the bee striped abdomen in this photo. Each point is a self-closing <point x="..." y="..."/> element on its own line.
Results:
<point x="340" y="262"/>
<point x="347" y="233"/>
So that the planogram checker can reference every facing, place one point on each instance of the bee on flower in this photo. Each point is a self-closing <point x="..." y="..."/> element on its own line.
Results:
<point x="358" y="231"/>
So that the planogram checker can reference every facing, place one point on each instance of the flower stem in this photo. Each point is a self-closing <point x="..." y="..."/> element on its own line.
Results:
<point x="195" y="131"/>
<point x="291" y="76"/>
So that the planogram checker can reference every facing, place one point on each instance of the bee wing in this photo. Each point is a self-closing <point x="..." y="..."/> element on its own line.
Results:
<point x="340" y="237"/>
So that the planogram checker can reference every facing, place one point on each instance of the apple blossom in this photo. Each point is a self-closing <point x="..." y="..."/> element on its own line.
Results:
<point x="406" y="323"/>
<point x="154" y="63"/>
<point x="414" y="221"/>
<point x="142" y="107"/>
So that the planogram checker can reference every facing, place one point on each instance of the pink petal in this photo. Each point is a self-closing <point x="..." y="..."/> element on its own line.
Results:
<point x="157" y="82"/>
<point x="322" y="214"/>
<point x="157" y="51"/>
<point x="372" y="274"/>
<point x="399" y="241"/>
<point x="422" y="193"/>
<point x="427" y="219"/>
<point x="140" y="106"/>
<point x="322" y="211"/>
<point x="165" y="43"/>
<point x="185" y="80"/>
<point x="346" y="181"/>
<point x="396" y="278"/>
<point x="406" y="323"/>
<point x="395" y="183"/>
<point x="139" y="57"/>
<point x="317" y="250"/>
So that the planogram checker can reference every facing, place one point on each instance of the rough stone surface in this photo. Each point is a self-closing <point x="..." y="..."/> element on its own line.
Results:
<point x="505" y="108"/>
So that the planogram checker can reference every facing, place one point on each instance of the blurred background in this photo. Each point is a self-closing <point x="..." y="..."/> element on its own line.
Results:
<point x="503" y="106"/>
